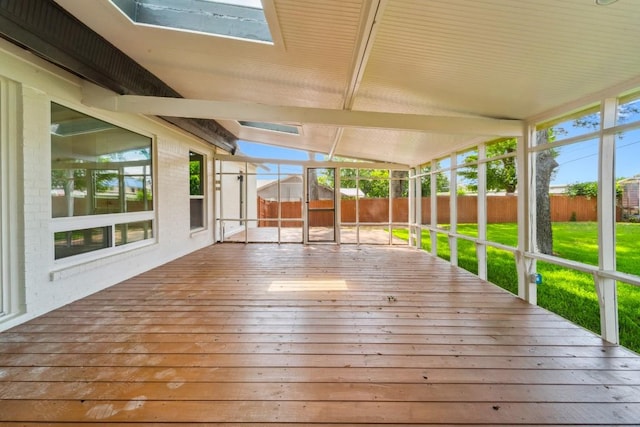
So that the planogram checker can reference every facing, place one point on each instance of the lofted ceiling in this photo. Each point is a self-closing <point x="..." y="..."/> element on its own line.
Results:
<point x="466" y="59"/>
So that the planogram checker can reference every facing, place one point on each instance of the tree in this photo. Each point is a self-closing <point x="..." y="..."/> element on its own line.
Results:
<point x="545" y="165"/>
<point x="195" y="176"/>
<point x="586" y="189"/>
<point x="373" y="183"/>
<point x="442" y="183"/>
<point x="589" y="189"/>
<point x="502" y="176"/>
<point x="501" y="173"/>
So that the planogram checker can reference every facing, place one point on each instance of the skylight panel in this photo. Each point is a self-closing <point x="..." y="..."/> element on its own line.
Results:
<point x="274" y="127"/>
<point x="241" y="19"/>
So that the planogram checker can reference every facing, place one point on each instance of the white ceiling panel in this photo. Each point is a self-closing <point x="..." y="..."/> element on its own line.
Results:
<point x="498" y="58"/>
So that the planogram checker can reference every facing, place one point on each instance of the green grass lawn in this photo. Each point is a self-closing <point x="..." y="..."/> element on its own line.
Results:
<point x="566" y="292"/>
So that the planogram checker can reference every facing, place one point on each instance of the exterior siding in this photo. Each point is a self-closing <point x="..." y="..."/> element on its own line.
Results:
<point x="47" y="284"/>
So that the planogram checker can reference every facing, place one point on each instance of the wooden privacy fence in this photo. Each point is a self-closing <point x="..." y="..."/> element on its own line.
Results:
<point x="500" y="209"/>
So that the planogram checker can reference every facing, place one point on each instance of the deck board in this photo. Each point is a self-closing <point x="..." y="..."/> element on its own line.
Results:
<point x="296" y="335"/>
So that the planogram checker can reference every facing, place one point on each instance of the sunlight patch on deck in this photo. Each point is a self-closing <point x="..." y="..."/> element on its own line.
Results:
<point x="307" y="285"/>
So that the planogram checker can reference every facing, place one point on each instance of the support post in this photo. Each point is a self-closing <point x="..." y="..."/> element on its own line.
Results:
<point x="417" y="201"/>
<point x="412" y="209"/>
<point x="526" y="216"/>
<point x="434" y="207"/>
<point x="453" y="211"/>
<point x="606" y="288"/>
<point x="481" y="248"/>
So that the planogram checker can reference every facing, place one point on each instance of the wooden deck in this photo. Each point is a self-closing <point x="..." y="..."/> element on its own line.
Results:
<point x="301" y="335"/>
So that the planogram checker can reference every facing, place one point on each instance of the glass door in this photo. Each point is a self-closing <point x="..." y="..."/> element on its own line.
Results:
<point x="321" y="205"/>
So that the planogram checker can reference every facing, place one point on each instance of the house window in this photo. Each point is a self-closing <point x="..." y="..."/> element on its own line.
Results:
<point x="196" y="189"/>
<point x="75" y="242"/>
<point x="101" y="184"/>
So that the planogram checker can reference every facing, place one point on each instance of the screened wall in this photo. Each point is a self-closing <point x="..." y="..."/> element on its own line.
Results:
<point x="547" y="216"/>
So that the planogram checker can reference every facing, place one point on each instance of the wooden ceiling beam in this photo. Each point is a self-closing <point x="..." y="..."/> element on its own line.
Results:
<point x="221" y="110"/>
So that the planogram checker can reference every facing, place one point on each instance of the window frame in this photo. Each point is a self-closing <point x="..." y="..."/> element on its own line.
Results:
<point x="112" y="220"/>
<point x="203" y="191"/>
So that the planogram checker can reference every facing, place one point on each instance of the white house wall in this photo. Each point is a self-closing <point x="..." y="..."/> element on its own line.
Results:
<point x="40" y="283"/>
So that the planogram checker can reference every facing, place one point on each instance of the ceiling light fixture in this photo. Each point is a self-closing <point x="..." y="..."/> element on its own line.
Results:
<point x="605" y="2"/>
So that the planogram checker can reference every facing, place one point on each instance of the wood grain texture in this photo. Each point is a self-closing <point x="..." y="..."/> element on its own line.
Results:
<point x="298" y="335"/>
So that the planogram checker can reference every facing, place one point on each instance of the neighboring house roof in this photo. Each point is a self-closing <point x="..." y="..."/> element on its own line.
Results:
<point x="261" y="184"/>
<point x="628" y="180"/>
<point x="351" y="192"/>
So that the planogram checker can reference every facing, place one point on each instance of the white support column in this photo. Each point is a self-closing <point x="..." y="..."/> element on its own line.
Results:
<point x="434" y="207"/>
<point x="453" y="210"/>
<point x="305" y="206"/>
<point x="418" y="208"/>
<point x="338" y="205"/>
<point x="390" y="206"/>
<point x="412" y="208"/>
<point x="221" y="202"/>
<point x="245" y="205"/>
<point x="358" y="206"/>
<point x="481" y="248"/>
<point x="279" y="195"/>
<point x="526" y="216"/>
<point x="212" y="191"/>
<point x="606" y="288"/>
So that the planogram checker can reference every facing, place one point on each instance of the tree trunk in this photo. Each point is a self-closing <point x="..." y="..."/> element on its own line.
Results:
<point x="510" y="178"/>
<point x="545" y="165"/>
<point x="314" y="194"/>
<point x="397" y="184"/>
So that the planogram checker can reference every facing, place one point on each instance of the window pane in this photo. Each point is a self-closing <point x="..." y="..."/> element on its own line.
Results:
<point x="133" y="232"/>
<point x="373" y="206"/>
<point x="566" y="208"/>
<point x="502" y="202"/>
<point x="467" y="200"/>
<point x="399" y="196"/>
<point x="628" y="109"/>
<point x="468" y="156"/>
<point x="96" y="167"/>
<point x="196" y="170"/>
<point x="197" y="213"/>
<point x="69" y="243"/>
<point x="138" y="193"/>
<point x="581" y="123"/>
<point x="444" y="163"/>
<point x="628" y="200"/>
<point x="443" y="212"/>
<point x="425" y="183"/>
<point x="501" y="148"/>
